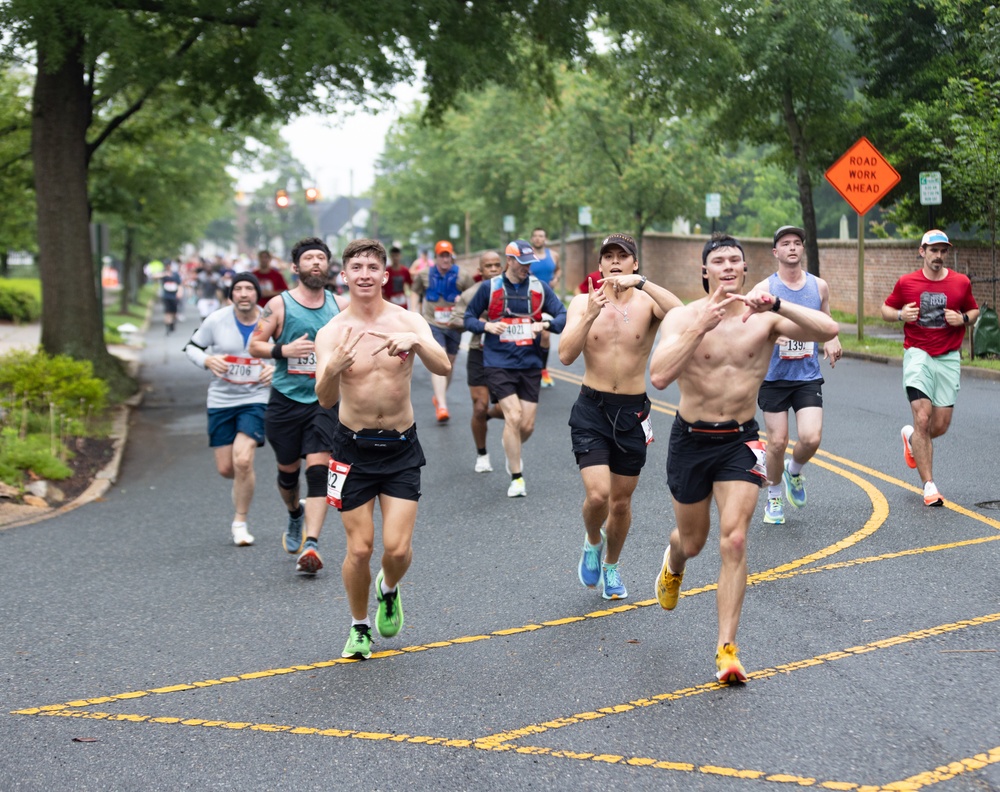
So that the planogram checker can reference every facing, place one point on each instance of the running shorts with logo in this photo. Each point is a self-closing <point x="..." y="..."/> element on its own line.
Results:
<point x="702" y="453"/>
<point x="778" y="396"/>
<point x="295" y="429"/>
<point x="225" y="422"/>
<point x="382" y="463"/>
<point x="607" y="429"/>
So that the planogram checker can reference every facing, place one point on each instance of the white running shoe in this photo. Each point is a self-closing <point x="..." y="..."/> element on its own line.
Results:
<point x="241" y="536"/>
<point x="516" y="489"/>
<point x="483" y="464"/>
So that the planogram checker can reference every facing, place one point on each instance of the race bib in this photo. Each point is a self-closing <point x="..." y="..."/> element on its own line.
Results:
<point x="304" y="366"/>
<point x="517" y="330"/>
<point x="243" y="370"/>
<point x="335" y="478"/>
<point x="760" y="458"/>
<point x="789" y="349"/>
<point x="169" y="286"/>
<point x="647" y="430"/>
<point x="443" y="315"/>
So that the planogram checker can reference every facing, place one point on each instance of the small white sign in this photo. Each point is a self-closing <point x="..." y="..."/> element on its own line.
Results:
<point x="713" y="205"/>
<point x="585" y="219"/>
<point x="508" y="223"/>
<point x="453" y="231"/>
<point x="930" y="188"/>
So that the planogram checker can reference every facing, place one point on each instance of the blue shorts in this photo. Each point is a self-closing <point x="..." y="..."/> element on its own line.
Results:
<point x="224" y="423"/>
<point x="449" y="339"/>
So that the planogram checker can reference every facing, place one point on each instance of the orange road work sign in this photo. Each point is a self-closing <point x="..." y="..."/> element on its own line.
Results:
<point x="862" y="176"/>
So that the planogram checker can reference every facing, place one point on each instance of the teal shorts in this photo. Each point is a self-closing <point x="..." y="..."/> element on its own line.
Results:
<point x="936" y="377"/>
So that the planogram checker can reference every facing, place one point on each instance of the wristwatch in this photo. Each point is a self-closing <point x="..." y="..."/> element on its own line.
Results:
<point x="777" y="304"/>
<point x="641" y="283"/>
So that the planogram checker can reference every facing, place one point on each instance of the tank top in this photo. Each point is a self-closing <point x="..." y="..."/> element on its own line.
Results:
<point x="545" y="268"/>
<point x="795" y="360"/>
<point x="296" y="377"/>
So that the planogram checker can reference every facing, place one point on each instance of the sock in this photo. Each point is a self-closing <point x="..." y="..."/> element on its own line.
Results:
<point x="365" y="621"/>
<point x="515" y="476"/>
<point x="311" y="542"/>
<point x="297" y="513"/>
<point x="794" y="468"/>
<point x="545" y="357"/>
<point x="930" y="488"/>
<point x="595" y="546"/>
<point x="775" y="491"/>
<point x="385" y="589"/>
<point x="481" y="451"/>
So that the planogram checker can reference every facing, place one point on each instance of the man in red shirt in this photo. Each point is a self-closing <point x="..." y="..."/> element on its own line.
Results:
<point x="271" y="281"/>
<point x="397" y="278"/>
<point x="935" y="304"/>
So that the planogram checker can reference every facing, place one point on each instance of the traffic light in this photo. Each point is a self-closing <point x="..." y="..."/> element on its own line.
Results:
<point x="281" y="199"/>
<point x="312" y="194"/>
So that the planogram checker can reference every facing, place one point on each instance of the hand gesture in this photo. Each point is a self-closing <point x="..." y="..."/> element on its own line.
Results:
<point x="713" y="310"/>
<point x="757" y="301"/>
<point x="622" y="282"/>
<point x="596" y="300"/>
<point x="395" y="344"/>
<point x="344" y="353"/>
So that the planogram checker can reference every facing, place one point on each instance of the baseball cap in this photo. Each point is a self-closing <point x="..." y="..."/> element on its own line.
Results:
<point x="785" y="230"/>
<point x="522" y="251"/>
<point x="444" y="246"/>
<point x="624" y="241"/>
<point x="935" y="237"/>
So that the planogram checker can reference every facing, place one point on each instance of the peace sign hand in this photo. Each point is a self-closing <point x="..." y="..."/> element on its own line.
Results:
<point x="395" y="344"/>
<point x="345" y="352"/>
<point x="713" y="310"/>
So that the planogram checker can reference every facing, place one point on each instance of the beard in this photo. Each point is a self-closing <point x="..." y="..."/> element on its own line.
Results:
<point x="312" y="281"/>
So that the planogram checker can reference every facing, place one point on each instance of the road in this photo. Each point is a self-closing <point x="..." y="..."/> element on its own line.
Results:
<point x="871" y="628"/>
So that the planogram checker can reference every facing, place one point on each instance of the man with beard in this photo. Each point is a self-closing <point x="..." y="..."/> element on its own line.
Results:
<point x="365" y="362"/>
<point x="614" y="327"/>
<point x="297" y="426"/>
<point x="935" y="305"/>
<point x="237" y="394"/>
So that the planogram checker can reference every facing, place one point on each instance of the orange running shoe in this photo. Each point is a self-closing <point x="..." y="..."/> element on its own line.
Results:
<point x="442" y="412"/>
<point x="730" y="669"/>
<point x="933" y="498"/>
<point x="905" y="432"/>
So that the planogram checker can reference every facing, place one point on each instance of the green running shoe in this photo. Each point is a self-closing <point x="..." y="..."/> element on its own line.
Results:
<point x="359" y="642"/>
<point x="795" y="487"/>
<point x="389" y="616"/>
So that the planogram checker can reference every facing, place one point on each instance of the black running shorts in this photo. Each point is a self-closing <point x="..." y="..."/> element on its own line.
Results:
<point x="382" y="463"/>
<point x="606" y="429"/>
<point x="295" y="429"/>
<point x="780" y="396"/>
<point x="701" y="454"/>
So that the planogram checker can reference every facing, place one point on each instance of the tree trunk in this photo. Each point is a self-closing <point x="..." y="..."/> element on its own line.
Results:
<point x="800" y="150"/>
<point x="71" y="315"/>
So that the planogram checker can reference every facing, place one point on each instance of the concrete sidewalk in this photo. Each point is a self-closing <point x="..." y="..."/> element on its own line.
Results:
<point x="24" y="336"/>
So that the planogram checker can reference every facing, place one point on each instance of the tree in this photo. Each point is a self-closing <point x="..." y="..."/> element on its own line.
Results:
<point x="17" y="220"/>
<point x="247" y="61"/>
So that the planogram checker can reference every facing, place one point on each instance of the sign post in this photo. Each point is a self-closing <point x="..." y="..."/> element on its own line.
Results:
<point x="713" y="207"/>
<point x="863" y="177"/>
<point x="930" y="193"/>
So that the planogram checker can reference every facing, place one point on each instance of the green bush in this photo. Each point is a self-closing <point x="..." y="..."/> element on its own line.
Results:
<point x="18" y="304"/>
<point x="34" y="380"/>
<point x="33" y="453"/>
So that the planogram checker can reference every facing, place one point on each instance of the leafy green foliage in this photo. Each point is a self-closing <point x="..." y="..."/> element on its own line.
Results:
<point x="19" y="303"/>
<point x="36" y="380"/>
<point x="33" y="453"/>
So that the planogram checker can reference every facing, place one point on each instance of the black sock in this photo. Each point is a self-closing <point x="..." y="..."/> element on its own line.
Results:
<point x="299" y="511"/>
<point x="311" y="541"/>
<point x="515" y="476"/>
<point x="481" y="451"/>
<point x="545" y="357"/>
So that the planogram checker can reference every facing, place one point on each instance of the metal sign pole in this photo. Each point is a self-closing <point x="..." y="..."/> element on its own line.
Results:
<point x="861" y="277"/>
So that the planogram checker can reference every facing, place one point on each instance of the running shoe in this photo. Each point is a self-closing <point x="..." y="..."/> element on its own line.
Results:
<point x="730" y="669"/>
<point x="933" y="498"/>
<point x="774" y="511"/>
<point x="441" y="412"/>
<point x="546" y="379"/>
<point x="611" y="583"/>
<point x="905" y="432"/>
<point x="795" y="487"/>
<point x="483" y="463"/>
<point x="668" y="585"/>
<point x="516" y="488"/>
<point x="359" y="642"/>
<point x="389" y="616"/>
<point x="292" y="539"/>
<point x="589" y="568"/>
<point x="241" y="536"/>
<point x="309" y="562"/>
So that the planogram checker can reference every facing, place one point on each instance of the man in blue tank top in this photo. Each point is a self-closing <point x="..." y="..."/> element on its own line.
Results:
<point x="297" y="426"/>
<point x="794" y="380"/>
<point x="547" y="270"/>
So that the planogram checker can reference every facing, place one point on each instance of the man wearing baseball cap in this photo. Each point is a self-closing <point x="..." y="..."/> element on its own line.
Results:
<point x="794" y="380"/>
<point x="434" y="291"/>
<point x="514" y="303"/>
<point x="935" y="304"/>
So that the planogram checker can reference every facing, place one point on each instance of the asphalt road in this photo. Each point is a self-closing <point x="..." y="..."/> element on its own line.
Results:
<point x="871" y="628"/>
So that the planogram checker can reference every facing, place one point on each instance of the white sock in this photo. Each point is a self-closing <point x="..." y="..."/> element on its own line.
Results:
<point x="365" y="621"/>
<point x="794" y="468"/>
<point x="775" y="491"/>
<point x="386" y="589"/>
<point x="239" y="524"/>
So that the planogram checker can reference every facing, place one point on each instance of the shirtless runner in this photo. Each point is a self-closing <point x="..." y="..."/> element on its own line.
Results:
<point x="614" y="327"/>
<point x="717" y="349"/>
<point x="364" y="359"/>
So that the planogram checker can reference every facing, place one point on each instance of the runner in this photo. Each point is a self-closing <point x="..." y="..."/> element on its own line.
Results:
<point x="614" y="327"/>
<point x="399" y="280"/>
<point x="237" y="394"/>
<point x="365" y="360"/>
<point x="547" y="270"/>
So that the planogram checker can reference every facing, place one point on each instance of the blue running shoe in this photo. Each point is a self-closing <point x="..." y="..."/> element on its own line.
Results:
<point x="293" y="539"/>
<point x="590" y="563"/>
<point x="774" y="511"/>
<point x="612" y="583"/>
<point x="795" y="487"/>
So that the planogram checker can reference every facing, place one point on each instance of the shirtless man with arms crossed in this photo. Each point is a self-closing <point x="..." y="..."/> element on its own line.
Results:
<point x="614" y="327"/>
<point x="364" y="359"/>
<point x="718" y="349"/>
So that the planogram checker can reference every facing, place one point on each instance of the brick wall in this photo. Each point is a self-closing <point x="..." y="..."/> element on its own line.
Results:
<point x="674" y="261"/>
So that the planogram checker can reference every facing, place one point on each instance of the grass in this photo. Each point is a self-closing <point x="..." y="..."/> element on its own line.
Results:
<point x="136" y="314"/>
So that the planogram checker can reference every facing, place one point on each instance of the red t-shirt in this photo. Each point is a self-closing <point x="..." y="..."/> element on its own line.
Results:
<point x="593" y="277"/>
<point x="931" y="332"/>
<point x="394" y="288"/>
<point x="275" y="281"/>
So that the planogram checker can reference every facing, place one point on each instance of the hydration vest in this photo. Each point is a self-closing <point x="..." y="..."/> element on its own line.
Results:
<point x="442" y="287"/>
<point x="499" y="299"/>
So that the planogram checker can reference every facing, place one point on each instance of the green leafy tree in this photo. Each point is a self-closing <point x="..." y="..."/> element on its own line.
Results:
<point x="248" y="61"/>
<point x="17" y="220"/>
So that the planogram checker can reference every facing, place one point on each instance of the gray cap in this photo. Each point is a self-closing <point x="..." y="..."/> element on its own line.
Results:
<point x="785" y="230"/>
